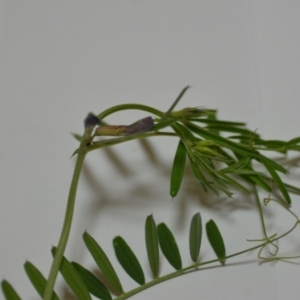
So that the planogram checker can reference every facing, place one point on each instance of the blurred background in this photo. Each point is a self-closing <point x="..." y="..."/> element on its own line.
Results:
<point x="61" y="60"/>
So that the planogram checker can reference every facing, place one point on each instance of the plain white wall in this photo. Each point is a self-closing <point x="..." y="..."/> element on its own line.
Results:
<point x="62" y="59"/>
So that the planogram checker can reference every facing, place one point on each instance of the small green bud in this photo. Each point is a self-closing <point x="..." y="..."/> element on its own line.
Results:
<point x="205" y="143"/>
<point x="204" y="148"/>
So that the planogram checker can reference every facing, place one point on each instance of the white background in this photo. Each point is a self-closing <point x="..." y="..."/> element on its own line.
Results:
<point x="62" y="59"/>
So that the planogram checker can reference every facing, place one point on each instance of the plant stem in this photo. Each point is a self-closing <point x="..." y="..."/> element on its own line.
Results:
<point x="132" y="106"/>
<point x="261" y="215"/>
<point x="83" y="150"/>
<point x="67" y="222"/>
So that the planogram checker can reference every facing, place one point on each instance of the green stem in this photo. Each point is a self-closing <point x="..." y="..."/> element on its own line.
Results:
<point x="67" y="223"/>
<point x="132" y="106"/>
<point x="261" y="215"/>
<point x="73" y="188"/>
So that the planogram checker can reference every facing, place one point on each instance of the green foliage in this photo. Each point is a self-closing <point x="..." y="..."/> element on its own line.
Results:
<point x="220" y="154"/>
<point x="84" y="283"/>
<point x="169" y="246"/>
<point x="167" y="114"/>
<point x="94" y="285"/>
<point x="103" y="262"/>
<point x="73" y="279"/>
<point x="151" y="238"/>
<point x="128" y="260"/>
<point x="178" y="169"/>
<point x="8" y="291"/>
<point x="272" y="166"/>
<point x="37" y="279"/>
<point x="215" y="239"/>
<point x="195" y="237"/>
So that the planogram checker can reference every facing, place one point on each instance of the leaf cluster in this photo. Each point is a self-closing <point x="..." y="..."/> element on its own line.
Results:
<point x="220" y="160"/>
<point x="220" y="153"/>
<point x="223" y="156"/>
<point x="84" y="283"/>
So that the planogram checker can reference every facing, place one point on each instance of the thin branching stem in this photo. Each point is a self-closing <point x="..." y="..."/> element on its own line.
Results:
<point x="131" y="106"/>
<point x="83" y="150"/>
<point x="261" y="215"/>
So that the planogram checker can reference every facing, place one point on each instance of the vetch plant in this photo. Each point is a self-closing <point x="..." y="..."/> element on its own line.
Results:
<point x="221" y="155"/>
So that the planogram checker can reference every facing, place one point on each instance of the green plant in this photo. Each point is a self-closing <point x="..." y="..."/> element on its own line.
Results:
<point x="221" y="155"/>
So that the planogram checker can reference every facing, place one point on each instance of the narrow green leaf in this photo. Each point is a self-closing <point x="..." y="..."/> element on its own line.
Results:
<point x="195" y="237"/>
<point x="245" y="164"/>
<point x="211" y="114"/>
<point x="219" y="122"/>
<point x="221" y="141"/>
<point x="94" y="285"/>
<point x="73" y="279"/>
<point x="184" y="133"/>
<point x="292" y="188"/>
<point x="270" y="167"/>
<point x="198" y="174"/>
<point x="151" y="236"/>
<point x="37" y="279"/>
<point x="195" y="170"/>
<point x="128" y="260"/>
<point x="235" y="183"/>
<point x="213" y="117"/>
<point x="177" y="169"/>
<point x="241" y="164"/>
<point x="214" y="180"/>
<point x="243" y="131"/>
<point x="8" y="291"/>
<point x="77" y="137"/>
<point x="293" y="147"/>
<point x="166" y="115"/>
<point x="273" y="164"/>
<point x="243" y="139"/>
<point x="246" y="172"/>
<point x="169" y="246"/>
<point x="215" y="239"/>
<point x="166" y="123"/>
<point x="293" y="141"/>
<point x="75" y="152"/>
<point x="260" y="181"/>
<point x="270" y="143"/>
<point x="103" y="262"/>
